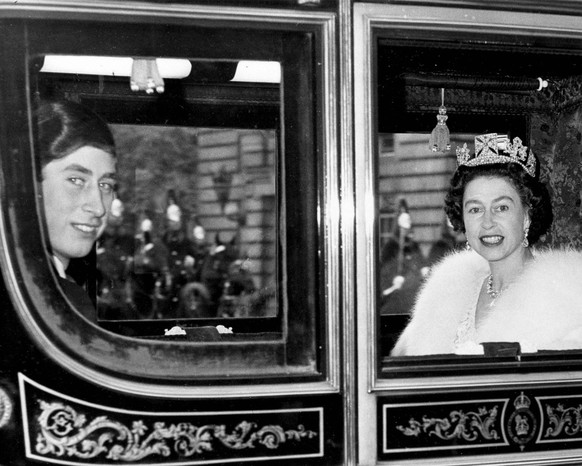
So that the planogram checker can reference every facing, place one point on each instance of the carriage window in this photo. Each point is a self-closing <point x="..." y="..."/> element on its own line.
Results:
<point x="191" y="236"/>
<point x="427" y="110"/>
<point x="216" y="180"/>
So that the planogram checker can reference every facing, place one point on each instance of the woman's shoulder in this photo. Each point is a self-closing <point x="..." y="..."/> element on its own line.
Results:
<point x="558" y="267"/>
<point x="555" y="273"/>
<point x="544" y="305"/>
<point x="557" y="270"/>
<point x="562" y="259"/>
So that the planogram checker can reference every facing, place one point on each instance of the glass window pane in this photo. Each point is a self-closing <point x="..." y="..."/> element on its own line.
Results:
<point x="415" y="82"/>
<point x="192" y="234"/>
<point x="216" y="182"/>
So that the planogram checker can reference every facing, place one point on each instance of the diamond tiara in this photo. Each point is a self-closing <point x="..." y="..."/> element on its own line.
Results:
<point x="496" y="148"/>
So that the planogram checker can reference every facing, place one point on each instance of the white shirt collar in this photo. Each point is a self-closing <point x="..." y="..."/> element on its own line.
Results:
<point x="60" y="267"/>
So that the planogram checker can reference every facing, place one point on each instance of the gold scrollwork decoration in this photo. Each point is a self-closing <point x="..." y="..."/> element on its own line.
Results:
<point x="64" y="432"/>
<point x="459" y="425"/>
<point x="563" y="420"/>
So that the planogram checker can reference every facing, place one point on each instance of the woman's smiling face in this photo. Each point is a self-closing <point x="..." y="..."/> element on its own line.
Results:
<point x="494" y="216"/>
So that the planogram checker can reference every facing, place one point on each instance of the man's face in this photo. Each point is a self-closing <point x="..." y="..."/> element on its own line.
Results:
<point x="78" y="191"/>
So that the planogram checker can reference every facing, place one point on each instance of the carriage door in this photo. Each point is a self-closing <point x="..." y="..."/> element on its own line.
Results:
<point x="514" y="73"/>
<point x="215" y="338"/>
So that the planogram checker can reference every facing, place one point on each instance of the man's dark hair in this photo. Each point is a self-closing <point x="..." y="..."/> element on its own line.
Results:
<point x="65" y="126"/>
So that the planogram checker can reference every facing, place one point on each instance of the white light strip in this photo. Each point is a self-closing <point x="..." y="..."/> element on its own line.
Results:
<point x="258" y="72"/>
<point x="170" y="68"/>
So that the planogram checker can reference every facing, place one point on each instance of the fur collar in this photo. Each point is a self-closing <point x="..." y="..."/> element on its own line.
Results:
<point x="542" y="309"/>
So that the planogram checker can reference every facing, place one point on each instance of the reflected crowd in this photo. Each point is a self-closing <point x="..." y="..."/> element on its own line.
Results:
<point x="173" y="274"/>
<point x="403" y="266"/>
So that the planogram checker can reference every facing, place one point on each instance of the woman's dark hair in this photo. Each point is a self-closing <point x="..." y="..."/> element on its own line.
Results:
<point x="532" y="193"/>
<point x="64" y="127"/>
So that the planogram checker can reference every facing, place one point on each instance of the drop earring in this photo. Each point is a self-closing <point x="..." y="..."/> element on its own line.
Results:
<point x="525" y="242"/>
<point x="467" y="246"/>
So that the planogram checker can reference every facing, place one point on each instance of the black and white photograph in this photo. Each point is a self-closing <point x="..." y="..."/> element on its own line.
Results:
<point x="291" y="232"/>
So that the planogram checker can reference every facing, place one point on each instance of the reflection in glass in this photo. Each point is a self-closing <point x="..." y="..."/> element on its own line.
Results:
<point x="202" y="224"/>
<point x="413" y="230"/>
<point x="193" y="231"/>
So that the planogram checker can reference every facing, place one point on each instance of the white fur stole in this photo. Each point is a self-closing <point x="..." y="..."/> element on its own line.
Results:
<point x="541" y="310"/>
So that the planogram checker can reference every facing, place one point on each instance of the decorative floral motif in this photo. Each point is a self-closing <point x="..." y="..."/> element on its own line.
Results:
<point x="558" y="145"/>
<point x="459" y="425"/>
<point x="563" y="420"/>
<point x="566" y="93"/>
<point x="64" y="432"/>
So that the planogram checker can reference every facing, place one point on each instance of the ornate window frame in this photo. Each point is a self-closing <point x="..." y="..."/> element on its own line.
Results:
<point x="407" y="21"/>
<point x="18" y="275"/>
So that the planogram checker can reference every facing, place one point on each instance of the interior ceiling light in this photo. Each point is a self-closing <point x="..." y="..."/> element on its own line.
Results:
<point x="169" y="68"/>
<point x="258" y="72"/>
